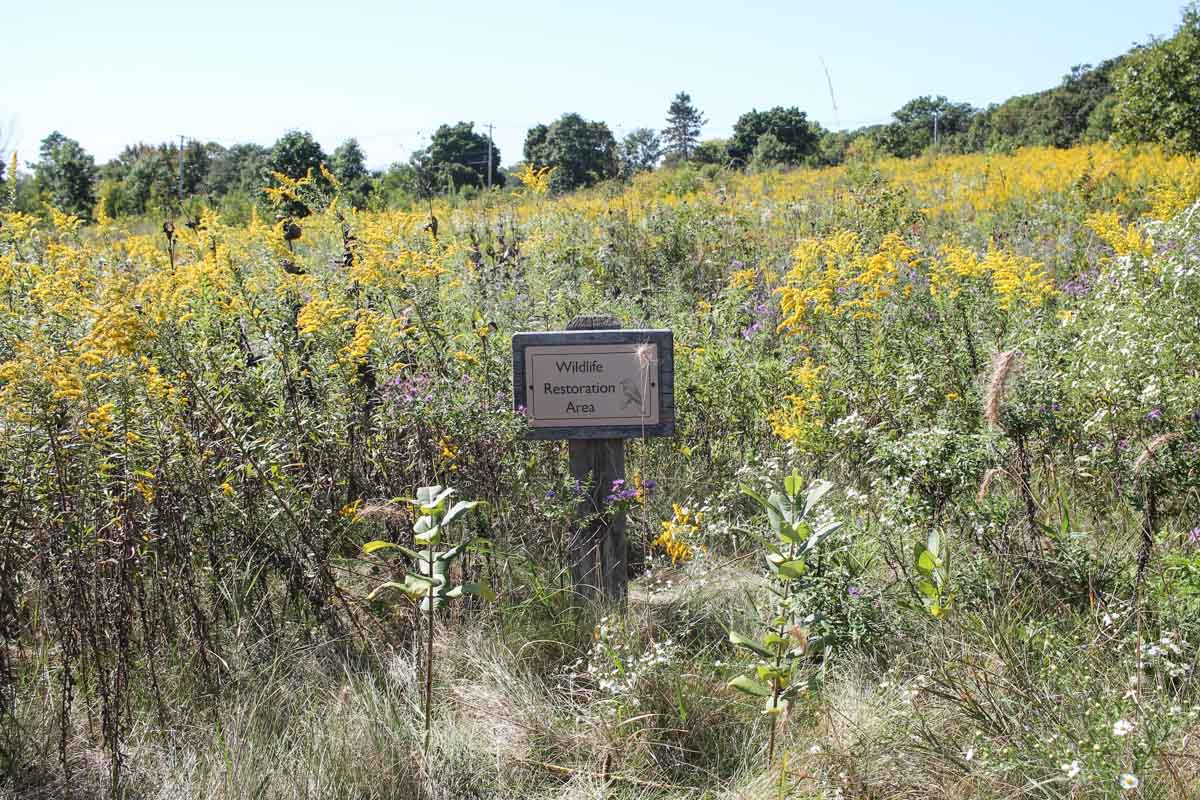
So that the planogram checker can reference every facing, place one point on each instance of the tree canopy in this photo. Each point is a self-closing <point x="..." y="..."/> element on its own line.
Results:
<point x="796" y="137"/>
<point x="457" y="156"/>
<point x="579" y="153"/>
<point x="66" y="174"/>
<point x="640" y="151"/>
<point x="684" y="122"/>
<point x="1158" y="90"/>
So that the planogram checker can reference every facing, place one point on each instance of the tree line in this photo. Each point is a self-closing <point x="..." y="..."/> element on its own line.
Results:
<point x="1150" y="94"/>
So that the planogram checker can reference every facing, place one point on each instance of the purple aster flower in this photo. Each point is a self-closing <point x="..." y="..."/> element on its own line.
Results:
<point x="1194" y="536"/>
<point x="854" y="592"/>
<point x="550" y="495"/>
<point x="1155" y="415"/>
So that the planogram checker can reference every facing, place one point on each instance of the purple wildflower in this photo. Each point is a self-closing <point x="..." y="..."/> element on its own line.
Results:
<point x="1155" y="415"/>
<point x="1194" y="536"/>
<point x="854" y="592"/>
<point x="550" y="495"/>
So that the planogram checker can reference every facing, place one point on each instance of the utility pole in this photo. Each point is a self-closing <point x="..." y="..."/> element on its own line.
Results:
<point x="489" y="127"/>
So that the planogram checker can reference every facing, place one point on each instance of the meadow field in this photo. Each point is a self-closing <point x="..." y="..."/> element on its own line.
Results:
<point x="967" y="387"/>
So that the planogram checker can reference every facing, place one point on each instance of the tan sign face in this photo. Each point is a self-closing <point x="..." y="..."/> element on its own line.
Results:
<point x="601" y="384"/>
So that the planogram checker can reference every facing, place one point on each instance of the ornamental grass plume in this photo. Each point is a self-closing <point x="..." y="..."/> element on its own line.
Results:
<point x="1002" y="368"/>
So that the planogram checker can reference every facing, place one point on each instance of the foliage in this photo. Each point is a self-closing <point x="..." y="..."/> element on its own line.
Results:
<point x="457" y="156"/>
<point x="640" y="151"/>
<point x="789" y="642"/>
<point x="579" y="153"/>
<point x="682" y="133"/>
<point x="296" y="156"/>
<point x="1158" y="90"/>
<point x="65" y="173"/>
<point x="795" y="136"/>
<point x="1000" y="348"/>
<point x="915" y="123"/>
<point x="349" y="166"/>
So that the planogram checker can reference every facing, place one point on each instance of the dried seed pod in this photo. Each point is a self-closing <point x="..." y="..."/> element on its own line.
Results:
<point x="291" y="231"/>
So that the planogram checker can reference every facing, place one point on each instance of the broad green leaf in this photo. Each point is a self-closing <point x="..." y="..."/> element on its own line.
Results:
<point x="424" y="524"/>
<point x="792" y="569"/>
<point x="758" y="498"/>
<point x="815" y="492"/>
<point x="429" y="537"/>
<point x="744" y="683"/>
<point x="823" y="533"/>
<point x="792" y="484"/>
<point x="935" y="543"/>
<point x="750" y="644"/>
<point x="928" y="589"/>
<point x="790" y="534"/>
<point x="460" y="507"/>
<point x="371" y="547"/>
<point x="387" y="585"/>
<point x="417" y="584"/>
<point x="926" y="563"/>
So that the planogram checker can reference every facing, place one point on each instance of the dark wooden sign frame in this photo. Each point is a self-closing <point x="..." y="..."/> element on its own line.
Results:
<point x="665" y="344"/>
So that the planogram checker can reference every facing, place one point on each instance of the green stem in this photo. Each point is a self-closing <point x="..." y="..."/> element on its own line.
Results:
<point x="429" y="656"/>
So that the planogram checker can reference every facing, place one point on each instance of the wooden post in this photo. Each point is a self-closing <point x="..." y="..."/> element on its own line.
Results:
<point x="596" y="385"/>
<point x="597" y="548"/>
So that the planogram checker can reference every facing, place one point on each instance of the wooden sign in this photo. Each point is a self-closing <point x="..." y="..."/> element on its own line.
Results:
<point x="595" y="384"/>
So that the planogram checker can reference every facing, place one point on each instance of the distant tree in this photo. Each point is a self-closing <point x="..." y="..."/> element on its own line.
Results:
<point x="712" y="151"/>
<point x="66" y="173"/>
<point x="581" y="153"/>
<point x="149" y="181"/>
<point x="684" y="122"/>
<point x="797" y="137"/>
<point x="350" y="168"/>
<point x="914" y="125"/>
<point x="295" y="154"/>
<point x="195" y="167"/>
<point x="832" y="147"/>
<point x="1060" y="117"/>
<point x="640" y="151"/>
<point x="241" y="168"/>
<point x="457" y="156"/>
<point x="1158" y="90"/>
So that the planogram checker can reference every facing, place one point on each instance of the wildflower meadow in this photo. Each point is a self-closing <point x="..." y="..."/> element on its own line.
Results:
<point x="928" y="526"/>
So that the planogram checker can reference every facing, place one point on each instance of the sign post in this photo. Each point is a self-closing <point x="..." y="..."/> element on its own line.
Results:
<point x="596" y="385"/>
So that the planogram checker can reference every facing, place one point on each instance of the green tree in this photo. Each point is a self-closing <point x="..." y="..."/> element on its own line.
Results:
<point x="295" y="155"/>
<point x="640" y="151"/>
<point x="917" y="122"/>
<point x="1158" y="90"/>
<point x="797" y="137"/>
<point x="581" y="153"/>
<point x="457" y="156"/>
<point x="350" y="168"/>
<point x="66" y="174"/>
<point x="712" y="151"/>
<point x="684" y="122"/>
<point x="241" y="168"/>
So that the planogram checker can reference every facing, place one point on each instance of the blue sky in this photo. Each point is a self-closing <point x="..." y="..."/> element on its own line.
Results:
<point x="388" y="73"/>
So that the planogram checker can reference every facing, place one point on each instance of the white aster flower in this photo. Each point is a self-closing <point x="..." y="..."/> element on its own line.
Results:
<point x="1072" y="769"/>
<point x="1121" y="727"/>
<point x="1129" y="781"/>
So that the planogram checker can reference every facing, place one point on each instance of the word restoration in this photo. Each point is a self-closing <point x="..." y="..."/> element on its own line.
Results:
<point x="595" y="384"/>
